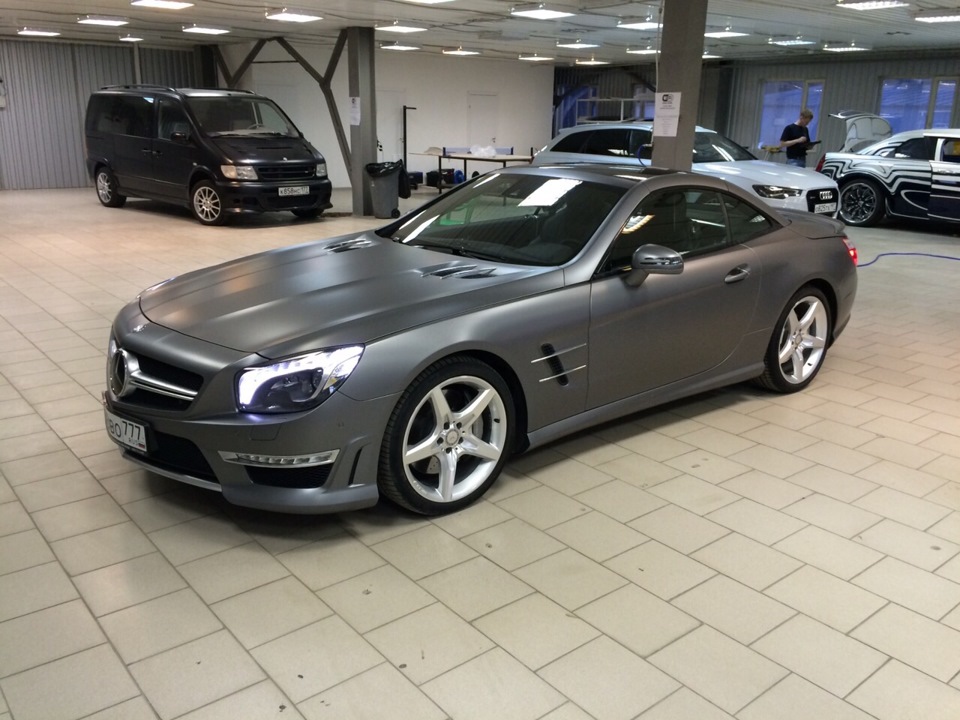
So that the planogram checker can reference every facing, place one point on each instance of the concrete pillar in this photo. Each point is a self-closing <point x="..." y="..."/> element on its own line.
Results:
<point x="681" y="62"/>
<point x="363" y="99"/>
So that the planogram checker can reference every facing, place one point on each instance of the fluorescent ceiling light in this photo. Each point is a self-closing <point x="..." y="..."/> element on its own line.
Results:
<point x="592" y="61"/>
<point x="294" y="16"/>
<point x="577" y="44"/>
<point x="162" y="4"/>
<point x="937" y="16"/>
<point x="33" y="32"/>
<point x="852" y="47"/>
<point x="791" y="42"/>
<point x="643" y="51"/>
<point x="460" y="51"/>
<point x="872" y="4"/>
<point x="648" y="24"/>
<point x="204" y="30"/>
<point x="707" y="55"/>
<point x="535" y="58"/>
<point x="399" y="46"/>
<point x="539" y="12"/>
<point x="100" y="20"/>
<point x="398" y="28"/>
<point x="727" y="32"/>
<point x="130" y="38"/>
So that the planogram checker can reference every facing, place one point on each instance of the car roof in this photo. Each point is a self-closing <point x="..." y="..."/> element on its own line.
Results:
<point x="186" y="92"/>
<point x="632" y="125"/>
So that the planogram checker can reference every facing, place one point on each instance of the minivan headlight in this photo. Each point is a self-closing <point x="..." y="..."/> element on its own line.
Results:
<point x="777" y="192"/>
<point x="298" y="383"/>
<point x="238" y="172"/>
<point x="321" y="169"/>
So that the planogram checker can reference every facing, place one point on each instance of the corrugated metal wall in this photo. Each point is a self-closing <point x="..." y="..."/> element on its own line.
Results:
<point x="41" y="129"/>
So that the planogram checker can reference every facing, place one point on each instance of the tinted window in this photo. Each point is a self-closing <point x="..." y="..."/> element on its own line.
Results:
<point x="614" y="142"/>
<point x="135" y="116"/>
<point x="916" y="149"/>
<point x="102" y="114"/>
<point x="241" y="116"/>
<point x="570" y="143"/>
<point x="172" y="119"/>
<point x="744" y="220"/>
<point x="641" y="144"/>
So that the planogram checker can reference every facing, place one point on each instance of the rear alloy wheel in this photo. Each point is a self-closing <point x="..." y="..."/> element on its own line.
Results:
<point x="206" y="203"/>
<point x="107" y="189"/>
<point x="799" y="343"/>
<point x="448" y="437"/>
<point x="861" y="203"/>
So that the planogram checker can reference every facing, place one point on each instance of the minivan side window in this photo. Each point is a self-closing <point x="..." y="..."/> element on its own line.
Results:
<point x="135" y="116"/>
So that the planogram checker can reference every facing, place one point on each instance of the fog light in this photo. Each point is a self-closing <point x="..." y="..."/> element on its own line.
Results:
<point x="259" y="460"/>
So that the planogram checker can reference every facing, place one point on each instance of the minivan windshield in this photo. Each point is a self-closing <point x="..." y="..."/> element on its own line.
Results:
<point x="239" y="116"/>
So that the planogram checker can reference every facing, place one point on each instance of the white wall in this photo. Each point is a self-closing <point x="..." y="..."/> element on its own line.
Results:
<point x="441" y="88"/>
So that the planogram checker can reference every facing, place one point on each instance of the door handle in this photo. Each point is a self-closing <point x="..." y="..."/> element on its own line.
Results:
<point x="741" y="272"/>
<point x="146" y="151"/>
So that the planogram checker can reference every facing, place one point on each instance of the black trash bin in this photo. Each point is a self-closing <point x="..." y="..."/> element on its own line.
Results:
<point x="385" y="187"/>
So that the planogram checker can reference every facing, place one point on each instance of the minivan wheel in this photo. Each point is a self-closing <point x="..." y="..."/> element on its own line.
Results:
<point x="107" y="189"/>
<point x="206" y="204"/>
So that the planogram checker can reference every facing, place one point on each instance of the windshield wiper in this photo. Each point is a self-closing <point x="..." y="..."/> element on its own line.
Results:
<point x="458" y="250"/>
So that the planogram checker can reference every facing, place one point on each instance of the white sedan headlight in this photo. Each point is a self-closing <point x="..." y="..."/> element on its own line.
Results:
<point x="777" y="192"/>
<point x="238" y="172"/>
<point x="299" y="383"/>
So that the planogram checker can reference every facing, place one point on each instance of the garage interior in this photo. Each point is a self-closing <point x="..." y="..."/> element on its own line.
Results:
<point x="736" y="555"/>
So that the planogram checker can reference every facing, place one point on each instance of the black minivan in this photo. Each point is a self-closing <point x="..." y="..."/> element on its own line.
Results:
<point x="217" y="152"/>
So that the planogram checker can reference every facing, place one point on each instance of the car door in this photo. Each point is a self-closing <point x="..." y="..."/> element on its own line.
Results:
<point x="133" y="145"/>
<point x="671" y="327"/>
<point x="174" y="150"/>
<point x="945" y="183"/>
<point x="911" y="177"/>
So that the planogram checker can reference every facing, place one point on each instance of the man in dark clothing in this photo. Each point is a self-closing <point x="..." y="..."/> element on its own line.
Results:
<point x="796" y="138"/>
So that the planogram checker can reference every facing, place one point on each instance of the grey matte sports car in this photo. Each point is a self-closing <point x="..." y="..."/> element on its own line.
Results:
<point x="413" y="360"/>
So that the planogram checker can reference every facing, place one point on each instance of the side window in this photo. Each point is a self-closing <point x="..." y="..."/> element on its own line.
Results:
<point x="571" y="143"/>
<point x="172" y="119"/>
<point x="102" y="114"/>
<point x="136" y="116"/>
<point x="915" y="149"/>
<point x="951" y="151"/>
<point x="745" y="222"/>
<point x="641" y="144"/>
<point x="612" y="143"/>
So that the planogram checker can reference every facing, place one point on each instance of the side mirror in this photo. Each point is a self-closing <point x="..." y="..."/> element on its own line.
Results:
<point x="180" y="137"/>
<point x="653" y="260"/>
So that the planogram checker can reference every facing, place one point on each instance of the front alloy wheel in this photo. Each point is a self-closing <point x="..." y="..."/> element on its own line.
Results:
<point x="448" y="437"/>
<point x="861" y="203"/>
<point x="799" y="343"/>
<point x="206" y="204"/>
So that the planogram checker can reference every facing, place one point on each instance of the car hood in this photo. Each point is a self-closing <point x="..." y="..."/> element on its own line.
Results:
<point x="347" y="290"/>
<point x="747" y="173"/>
<point x="263" y="148"/>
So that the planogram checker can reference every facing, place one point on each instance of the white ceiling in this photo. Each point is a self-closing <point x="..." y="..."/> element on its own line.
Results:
<point x="487" y="25"/>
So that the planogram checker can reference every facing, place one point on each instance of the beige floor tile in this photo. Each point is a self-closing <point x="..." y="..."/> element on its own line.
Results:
<point x="536" y="630"/>
<point x="262" y="701"/>
<point x="40" y="467"/>
<point x="543" y="507"/>
<point x="897" y="692"/>
<point x="23" y="550"/>
<point x="693" y="494"/>
<point x="135" y="485"/>
<point x="513" y="544"/>
<point x="128" y="583"/>
<point x="14" y="519"/>
<point x="637" y="619"/>
<point x="79" y="517"/>
<point x="375" y="598"/>
<point x="832" y="553"/>
<point x="253" y="616"/>
<point x="595" y="535"/>
<point x="608" y="681"/>
<point x="823" y="597"/>
<point x="947" y="495"/>
<point x="35" y="588"/>
<point x="898" y="429"/>
<point x="85" y="682"/>
<point x="756" y="521"/>
<point x="766" y="489"/>
<point x="100" y="548"/>
<point x="794" y="698"/>
<point x="68" y="406"/>
<point x="570" y="476"/>
<point x="746" y="560"/>
<point x="948" y="528"/>
<point x="639" y="471"/>
<point x="60" y="490"/>
<point x="946" y="467"/>
<point x="912" y="546"/>
<point x="40" y="637"/>
<point x="707" y="466"/>
<point x="570" y="579"/>
<point x="278" y="533"/>
<point x="651" y="444"/>
<point x="716" y="441"/>
<point x="906" y="509"/>
<point x="479" y="516"/>
<point x="18" y="426"/>
<point x="772" y="461"/>
<point x="620" y="500"/>
<point x="475" y="587"/>
<point x="733" y="609"/>
<point x="839" y="433"/>
<point x="424" y="551"/>
<point x="659" y="569"/>
<point x="493" y="684"/>
<point x="780" y="438"/>
<point x="25" y="446"/>
<point x="899" y="477"/>
<point x="721" y="670"/>
<point x="679" y="529"/>
<point x="683" y="705"/>
<point x="951" y="569"/>
<point x="381" y="692"/>
<point x="785" y="416"/>
<point x="838" y="517"/>
<point x="892" y="409"/>
<point x="195" y="539"/>
<point x="833" y="483"/>
<point x="135" y="709"/>
<point x="914" y="640"/>
<point x="196" y="674"/>
<point x="427" y="643"/>
<point x="381" y="522"/>
<point x="588" y="449"/>
<point x="510" y="483"/>
<point x="837" y="457"/>
<point x="330" y="560"/>
<point x="139" y="631"/>
<point x="823" y="656"/>
<point x="231" y="572"/>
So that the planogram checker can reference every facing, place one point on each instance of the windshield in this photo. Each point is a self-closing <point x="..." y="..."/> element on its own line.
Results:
<point x="713" y="147"/>
<point x="522" y="219"/>
<point x="236" y="116"/>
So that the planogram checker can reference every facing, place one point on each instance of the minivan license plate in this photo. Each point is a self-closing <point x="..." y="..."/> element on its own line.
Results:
<point x="127" y="433"/>
<point x="296" y="190"/>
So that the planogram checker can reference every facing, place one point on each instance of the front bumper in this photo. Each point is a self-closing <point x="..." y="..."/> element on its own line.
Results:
<point x="257" y="197"/>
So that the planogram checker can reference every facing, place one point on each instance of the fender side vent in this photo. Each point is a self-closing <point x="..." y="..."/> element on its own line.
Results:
<point x="557" y="370"/>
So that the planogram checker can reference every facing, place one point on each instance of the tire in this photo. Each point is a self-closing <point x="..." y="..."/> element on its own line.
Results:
<point x="861" y="203"/>
<point x="448" y="437"/>
<point x="307" y="213"/>
<point x="206" y="204"/>
<point x="107" y="189"/>
<point x="799" y="343"/>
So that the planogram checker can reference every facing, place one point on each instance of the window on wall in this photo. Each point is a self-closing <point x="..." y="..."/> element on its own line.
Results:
<point x="573" y="105"/>
<point x="781" y="103"/>
<point x="914" y="103"/>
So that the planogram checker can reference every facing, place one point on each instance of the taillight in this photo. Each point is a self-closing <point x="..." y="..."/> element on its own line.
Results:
<point x="820" y="164"/>
<point x="851" y="249"/>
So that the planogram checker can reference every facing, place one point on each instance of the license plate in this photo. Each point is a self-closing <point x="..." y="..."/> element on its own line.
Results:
<point x="127" y="433"/>
<point x="295" y="190"/>
<point x="825" y="208"/>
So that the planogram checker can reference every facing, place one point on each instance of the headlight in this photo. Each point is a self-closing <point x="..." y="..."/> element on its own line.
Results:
<point x="299" y="383"/>
<point x="321" y="169"/>
<point x="776" y="191"/>
<point x="238" y="172"/>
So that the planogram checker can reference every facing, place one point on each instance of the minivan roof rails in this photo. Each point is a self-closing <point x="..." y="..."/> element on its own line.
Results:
<point x="149" y="86"/>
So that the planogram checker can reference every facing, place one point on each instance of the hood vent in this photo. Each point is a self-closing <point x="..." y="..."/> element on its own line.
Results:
<point x="459" y="271"/>
<point x="345" y="245"/>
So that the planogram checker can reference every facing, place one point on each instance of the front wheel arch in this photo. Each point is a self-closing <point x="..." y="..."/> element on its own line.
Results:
<point x="799" y="342"/>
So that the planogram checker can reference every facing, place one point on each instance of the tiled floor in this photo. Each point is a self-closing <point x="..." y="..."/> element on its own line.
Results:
<point x="740" y="555"/>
